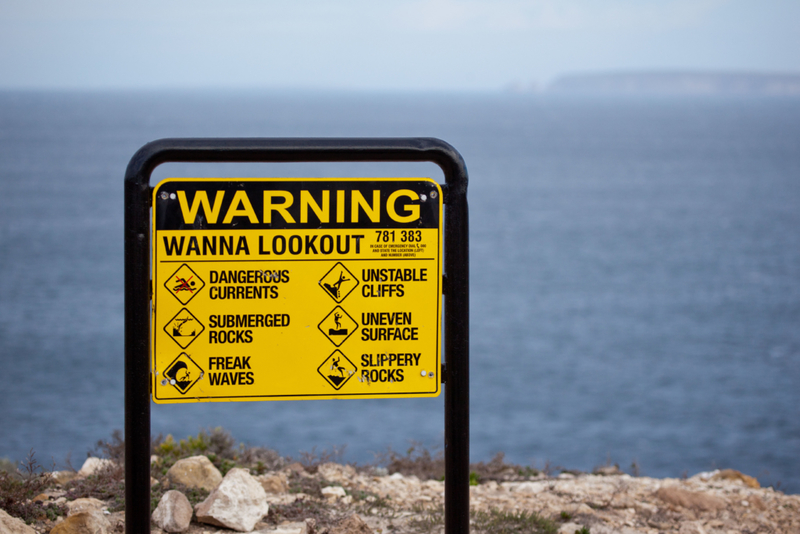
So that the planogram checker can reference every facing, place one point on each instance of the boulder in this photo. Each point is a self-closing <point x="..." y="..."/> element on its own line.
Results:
<point x="690" y="499"/>
<point x="83" y="523"/>
<point x="173" y="513"/>
<point x="736" y="476"/>
<point x="274" y="482"/>
<point x="333" y="492"/>
<point x="92" y="465"/>
<point x="351" y="525"/>
<point x="342" y="474"/>
<point x="238" y="503"/>
<point x="86" y="504"/>
<point x="195" y="472"/>
<point x="13" y="525"/>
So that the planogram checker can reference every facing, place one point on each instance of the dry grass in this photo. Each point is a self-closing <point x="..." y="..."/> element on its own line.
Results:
<point x="417" y="461"/>
<point x="502" y="522"/>
<point x="18" y="489"/>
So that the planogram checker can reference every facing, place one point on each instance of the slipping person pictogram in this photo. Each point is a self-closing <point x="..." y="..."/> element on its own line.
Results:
<point x="337" y="369"/>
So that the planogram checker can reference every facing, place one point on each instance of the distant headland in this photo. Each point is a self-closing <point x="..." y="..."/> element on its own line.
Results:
<point x="678" y="83"/>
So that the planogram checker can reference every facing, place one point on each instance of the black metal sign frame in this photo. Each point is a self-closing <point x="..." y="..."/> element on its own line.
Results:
<point x="455" y="373"/>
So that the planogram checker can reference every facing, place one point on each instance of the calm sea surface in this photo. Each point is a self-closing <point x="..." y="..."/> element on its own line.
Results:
<point x="635" y="291"/>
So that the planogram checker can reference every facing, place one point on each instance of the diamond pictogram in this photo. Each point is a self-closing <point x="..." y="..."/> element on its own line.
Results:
<point x="338" y="282"/>
<point x="184" y="328"/>
<point x="182" y="373"/>
<point x="338" y="326"/>
<point x="337" y="369"/>
<point x="184" y="284"/>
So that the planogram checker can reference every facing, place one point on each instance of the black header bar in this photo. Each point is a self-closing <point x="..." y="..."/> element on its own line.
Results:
<point x="258" y="204"/>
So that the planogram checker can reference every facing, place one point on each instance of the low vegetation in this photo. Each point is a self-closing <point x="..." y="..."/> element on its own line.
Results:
<point x="504" y="522"/>
<point x="22" y="487"/>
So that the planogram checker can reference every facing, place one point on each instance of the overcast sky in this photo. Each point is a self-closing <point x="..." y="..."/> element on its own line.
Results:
<point x="383" y="44"/>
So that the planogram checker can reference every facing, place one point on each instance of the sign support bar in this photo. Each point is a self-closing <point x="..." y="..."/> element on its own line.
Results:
<point x="272" y="150"/>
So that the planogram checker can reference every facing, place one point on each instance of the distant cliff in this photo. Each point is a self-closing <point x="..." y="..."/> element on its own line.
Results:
<point x="678" y="83"/>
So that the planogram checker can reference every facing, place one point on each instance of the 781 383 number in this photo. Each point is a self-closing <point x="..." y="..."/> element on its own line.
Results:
<point x="406" y="236"/>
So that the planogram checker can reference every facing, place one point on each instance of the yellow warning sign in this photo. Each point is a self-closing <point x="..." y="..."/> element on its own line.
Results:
<point x="286" y="289"/>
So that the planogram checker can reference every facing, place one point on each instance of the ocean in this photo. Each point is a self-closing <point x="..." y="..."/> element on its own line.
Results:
<point x="635" y="274"/>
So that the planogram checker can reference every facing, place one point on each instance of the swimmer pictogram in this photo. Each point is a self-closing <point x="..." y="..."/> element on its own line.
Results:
<point x="184" y="284"/>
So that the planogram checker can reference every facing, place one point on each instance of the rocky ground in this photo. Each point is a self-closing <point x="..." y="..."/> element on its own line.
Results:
<point x="195" y="498"/>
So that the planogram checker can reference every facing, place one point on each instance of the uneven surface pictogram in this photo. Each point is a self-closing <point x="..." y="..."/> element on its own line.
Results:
<point x="338" y="326"/>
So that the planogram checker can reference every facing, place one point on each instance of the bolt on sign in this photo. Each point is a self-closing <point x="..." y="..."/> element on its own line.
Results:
<point x="281" y="289"/>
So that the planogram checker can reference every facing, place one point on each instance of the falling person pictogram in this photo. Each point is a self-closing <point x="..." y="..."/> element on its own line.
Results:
<point x="335" y="288"/>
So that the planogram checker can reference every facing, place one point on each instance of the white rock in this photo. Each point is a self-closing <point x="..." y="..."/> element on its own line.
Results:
<point x="285" y="528"/>
<point x="334" y="492"/>
<point x="87" y="504"/>
<point x="705" y="475"/>
<point x="173" y="513"/>
<point x="342" y="474"/>
<point x="92" y="465"/>
<point x="238" y="503"/>
<point x="12" y="525"/>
